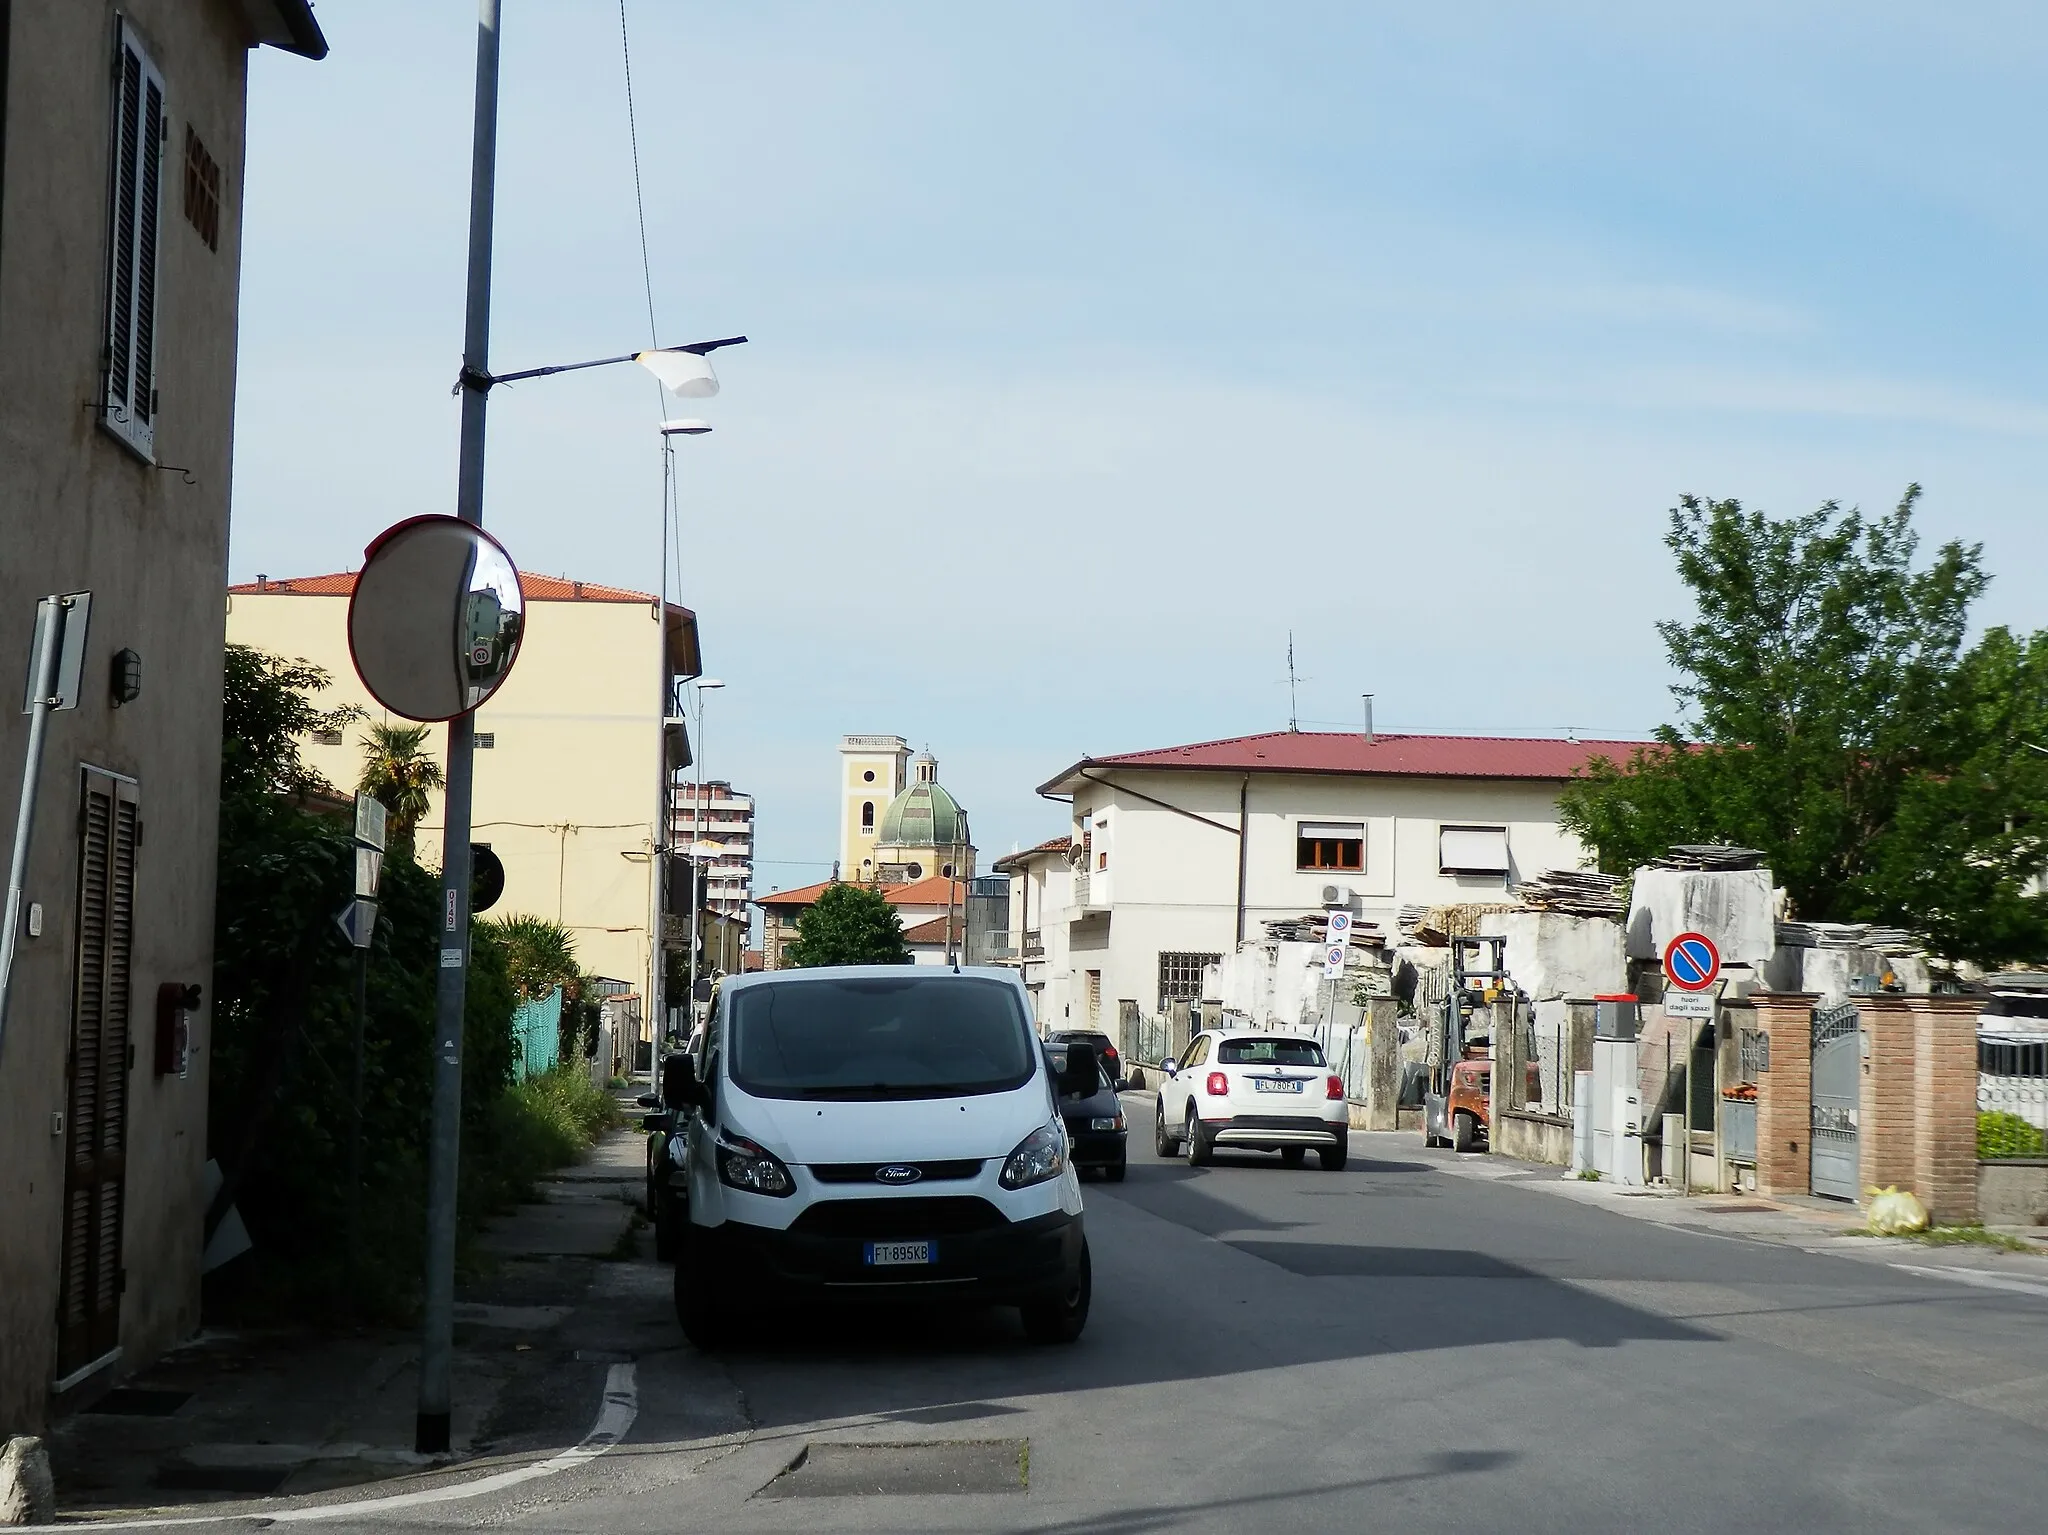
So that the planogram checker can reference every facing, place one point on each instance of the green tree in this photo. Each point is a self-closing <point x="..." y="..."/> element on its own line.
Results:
<point x="283" y="1015"/>
<point x="1833" y="718"/>
<point x="849" y="925"/>
<point x="267" y="706"/>
<point x="400" y="775"/>
<point x="539" y="954"/>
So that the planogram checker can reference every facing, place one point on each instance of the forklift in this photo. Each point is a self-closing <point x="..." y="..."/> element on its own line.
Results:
<point x="1457" y="1103"/>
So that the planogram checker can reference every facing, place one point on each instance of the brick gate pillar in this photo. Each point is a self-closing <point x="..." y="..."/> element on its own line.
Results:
<point x="1945" y="1105"/>
<point x="1885" y="1118"/>
<point x="1784" y="1092"/>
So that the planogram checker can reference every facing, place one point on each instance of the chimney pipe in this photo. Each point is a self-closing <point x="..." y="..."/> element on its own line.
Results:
<point x="1368" y="717"/>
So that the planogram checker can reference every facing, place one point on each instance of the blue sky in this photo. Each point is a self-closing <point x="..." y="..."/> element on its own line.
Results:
<point x="1096" y="346"/>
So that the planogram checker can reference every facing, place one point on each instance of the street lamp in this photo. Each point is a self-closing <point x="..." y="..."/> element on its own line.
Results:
<point x="703" y="685"/>
<point x="684" y="370"/>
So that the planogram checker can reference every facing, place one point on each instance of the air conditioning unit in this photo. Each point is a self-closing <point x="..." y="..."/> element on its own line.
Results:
<point x="1337" y="896"/>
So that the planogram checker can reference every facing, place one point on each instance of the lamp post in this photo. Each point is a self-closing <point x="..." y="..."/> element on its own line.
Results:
<point x="703" y="685"/>
<point x="663" y="841"/>
<point x="684" y="370"/>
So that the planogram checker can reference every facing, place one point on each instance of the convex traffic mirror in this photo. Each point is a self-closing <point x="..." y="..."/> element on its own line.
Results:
<point x="435" y="622"/>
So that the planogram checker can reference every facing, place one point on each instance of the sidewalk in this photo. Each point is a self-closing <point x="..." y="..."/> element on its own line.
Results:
<point x="1812" y="1224"/>
<point x="280" y="1413"/>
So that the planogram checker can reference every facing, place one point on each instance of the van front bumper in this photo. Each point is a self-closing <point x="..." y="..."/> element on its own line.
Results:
<point x="977" y="1255"/>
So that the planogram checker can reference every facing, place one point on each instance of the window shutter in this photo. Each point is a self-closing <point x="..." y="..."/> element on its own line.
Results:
<point x="135" y="203"/>
<point x="89" y="1312"/>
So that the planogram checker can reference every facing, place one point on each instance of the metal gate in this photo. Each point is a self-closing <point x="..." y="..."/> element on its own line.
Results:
<point x="1837" y="1093"/>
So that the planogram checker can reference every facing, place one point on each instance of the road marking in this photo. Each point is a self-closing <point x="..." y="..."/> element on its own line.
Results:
<point x="621" y="1407"/>
<point x="1980" y="1278"/>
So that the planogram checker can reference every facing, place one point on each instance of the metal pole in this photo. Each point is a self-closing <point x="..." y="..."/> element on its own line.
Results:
<point x="355" y="1125"/>
<point x="664" y="829"/>
<point x="444" y="1150"/>
<point x="696" y="869"/>
<point x="52" y="635"/>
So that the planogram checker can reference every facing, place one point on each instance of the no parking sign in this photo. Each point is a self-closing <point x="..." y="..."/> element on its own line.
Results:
<point x="1692" y="966"/>
<point x="1337" y="945"/>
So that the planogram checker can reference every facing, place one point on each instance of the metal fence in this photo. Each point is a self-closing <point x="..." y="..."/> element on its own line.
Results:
<point x="1738" y="1098"/>
<point x="1346" y="1048"/>
<point x="2012" y="1078"/>
<point x="537" y="1035"/>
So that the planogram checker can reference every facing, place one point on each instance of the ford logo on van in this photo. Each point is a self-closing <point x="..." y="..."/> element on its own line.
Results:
<point x="898" y="1172"/>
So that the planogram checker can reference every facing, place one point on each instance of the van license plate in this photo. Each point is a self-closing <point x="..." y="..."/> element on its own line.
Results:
<point x="883" y="1253"/>
<point x="1264" y="1086"/>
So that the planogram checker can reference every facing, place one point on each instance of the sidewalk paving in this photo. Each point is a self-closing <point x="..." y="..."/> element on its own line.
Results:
<point x="1807" y="1222"/>
<point x="285" y="1412"/>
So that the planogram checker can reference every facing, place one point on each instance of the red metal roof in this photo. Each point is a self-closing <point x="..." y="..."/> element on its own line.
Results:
<point x="1411" y="756"/>
<point x="534" y="588"/>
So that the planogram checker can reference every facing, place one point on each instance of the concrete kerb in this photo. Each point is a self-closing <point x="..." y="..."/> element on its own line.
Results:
<point x="614" y="1419"/>
<point x="1811" y="1224"/>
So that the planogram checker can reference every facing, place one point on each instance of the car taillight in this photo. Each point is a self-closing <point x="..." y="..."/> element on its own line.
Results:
<point x="1218" y="1085"/>
<point x="1333" y="1087"/>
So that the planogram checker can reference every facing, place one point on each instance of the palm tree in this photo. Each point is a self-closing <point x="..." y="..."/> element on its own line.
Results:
<point x="398" y="773"/>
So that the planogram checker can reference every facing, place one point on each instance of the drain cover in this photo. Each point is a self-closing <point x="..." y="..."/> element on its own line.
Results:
<point x="141" y="1402"/>
<point x="905" y="1470"/>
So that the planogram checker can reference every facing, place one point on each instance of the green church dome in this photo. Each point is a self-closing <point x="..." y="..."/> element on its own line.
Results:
<point x="923" y="815"/>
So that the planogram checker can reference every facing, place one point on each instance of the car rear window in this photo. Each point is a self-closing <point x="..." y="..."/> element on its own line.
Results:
<point x="1103" y="1081"/>
<point x="875" y="1037"/>
<point x="1269" y="1052"/>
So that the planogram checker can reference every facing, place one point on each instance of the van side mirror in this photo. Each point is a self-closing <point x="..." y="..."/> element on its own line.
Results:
<point x="679" y="1085"/>
<point x="1082" y="1074"/>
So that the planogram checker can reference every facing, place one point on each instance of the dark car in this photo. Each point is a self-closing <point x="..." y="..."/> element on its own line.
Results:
<point x="1105" y="1052"/>
<point x="1095" y="1121"/>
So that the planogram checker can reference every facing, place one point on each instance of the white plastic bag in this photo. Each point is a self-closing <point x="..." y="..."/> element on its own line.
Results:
<point x="1894" y="1212"/>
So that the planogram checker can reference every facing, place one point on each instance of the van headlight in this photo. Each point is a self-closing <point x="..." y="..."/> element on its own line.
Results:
<point x="1040" y="1155"/>
<point x="751" y="1168"/>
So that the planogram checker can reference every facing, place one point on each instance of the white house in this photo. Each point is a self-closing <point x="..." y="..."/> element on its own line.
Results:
<point x="1179" y="854"/>
<point x="1041" y="891"/>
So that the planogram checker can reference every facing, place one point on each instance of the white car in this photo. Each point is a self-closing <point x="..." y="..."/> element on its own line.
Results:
<point x="876" y="1133"/>
<point x="1252" y="1092"/>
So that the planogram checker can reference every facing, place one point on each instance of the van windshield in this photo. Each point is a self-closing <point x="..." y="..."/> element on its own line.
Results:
<point x="874" y="1037"/>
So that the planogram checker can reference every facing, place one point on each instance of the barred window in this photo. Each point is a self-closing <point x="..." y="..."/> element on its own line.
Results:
<point x="1180" y="977"/>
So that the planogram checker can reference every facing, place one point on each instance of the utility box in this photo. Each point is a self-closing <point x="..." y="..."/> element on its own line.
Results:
<point x="1617" y="1096"/>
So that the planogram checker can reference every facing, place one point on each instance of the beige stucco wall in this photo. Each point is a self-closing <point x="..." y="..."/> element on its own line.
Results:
<point x="567" y="797"/>
<point x="79" y="512"/>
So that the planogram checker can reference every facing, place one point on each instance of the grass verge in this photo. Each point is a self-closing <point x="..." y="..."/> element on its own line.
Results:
<point x="1952" y="1236"/>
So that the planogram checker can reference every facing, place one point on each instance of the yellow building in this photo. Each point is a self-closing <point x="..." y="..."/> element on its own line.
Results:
<point x="897" y="824"/>
<point x="571" y="751"/>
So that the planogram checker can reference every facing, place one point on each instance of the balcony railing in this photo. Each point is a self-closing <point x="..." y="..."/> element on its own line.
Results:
<point x="1034" y="944"/>
<point x="1081" y="888"/>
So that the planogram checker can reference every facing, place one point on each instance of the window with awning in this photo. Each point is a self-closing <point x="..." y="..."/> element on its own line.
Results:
<point x="1472" y="849"/>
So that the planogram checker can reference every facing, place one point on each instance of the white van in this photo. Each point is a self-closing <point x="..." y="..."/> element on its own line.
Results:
<point x="883" y="1132"/>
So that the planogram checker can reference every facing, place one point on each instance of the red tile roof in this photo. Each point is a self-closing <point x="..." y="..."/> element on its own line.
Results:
<point x="1413" y="756"/>
<point x="534" y="588"/>
<point x="933" y="930"/>
<point x="932" y="890"/>
<point x="1009" y="863"/>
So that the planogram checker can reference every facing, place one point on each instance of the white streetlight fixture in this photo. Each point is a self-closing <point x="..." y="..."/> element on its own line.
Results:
<point x="688" y="426"/>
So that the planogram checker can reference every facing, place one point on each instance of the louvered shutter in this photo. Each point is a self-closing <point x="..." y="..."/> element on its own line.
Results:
<point x="89" y="1308"/>
<point x="135" y="203"/>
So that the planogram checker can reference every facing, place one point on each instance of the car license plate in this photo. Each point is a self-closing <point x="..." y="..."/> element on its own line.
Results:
<point x="1265" y="1086"/>
<point x="881" y="1254"/>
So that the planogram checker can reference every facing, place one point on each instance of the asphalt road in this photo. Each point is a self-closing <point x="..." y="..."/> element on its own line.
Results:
<point x="1393" y="1345"/>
